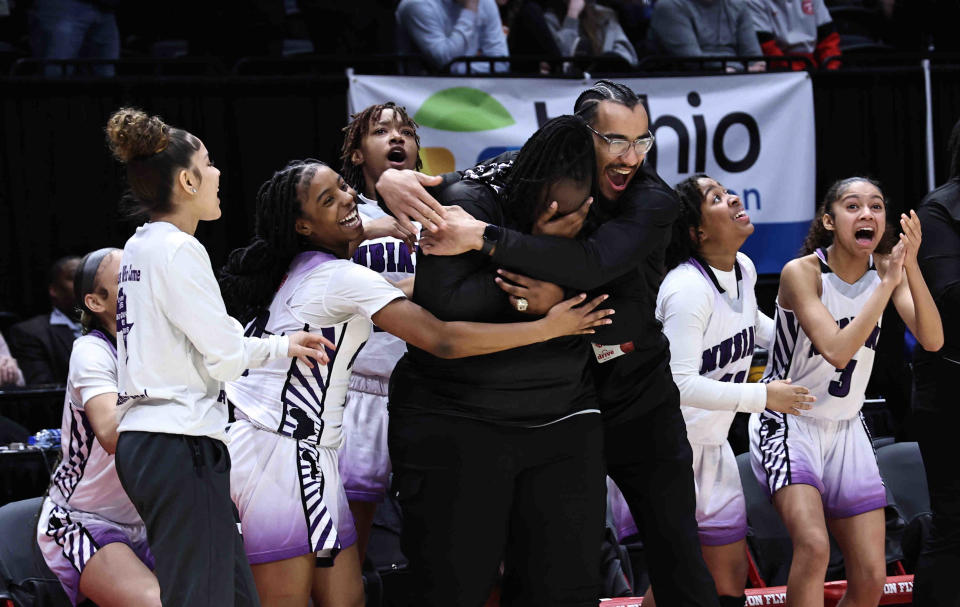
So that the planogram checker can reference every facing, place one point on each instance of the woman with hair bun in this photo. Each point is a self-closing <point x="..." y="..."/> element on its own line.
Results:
<point x="297" y="273"/>
<point x="176" y="346"/>
<point x="89" y="532"/>
<point x="820" y="468"/>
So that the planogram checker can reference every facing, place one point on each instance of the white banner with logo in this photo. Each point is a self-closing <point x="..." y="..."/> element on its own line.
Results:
<point x="754" y="133"/>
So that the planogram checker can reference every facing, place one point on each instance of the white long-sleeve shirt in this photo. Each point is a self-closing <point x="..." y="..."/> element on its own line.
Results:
<point x="176" y="344"/>
<point x="712" y="334"/>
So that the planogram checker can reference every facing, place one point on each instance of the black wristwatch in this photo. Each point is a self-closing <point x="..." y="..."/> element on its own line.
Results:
<point x="491" y="234"/>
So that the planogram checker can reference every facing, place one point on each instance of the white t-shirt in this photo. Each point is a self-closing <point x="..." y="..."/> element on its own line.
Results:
<point x="320" y="294"/>
<point x="86" y="478"/>
<point x="712" y="336"/>
<point x="392" y="259"/>
<point x="175" y="341"/>
<point x="839" y="392"/>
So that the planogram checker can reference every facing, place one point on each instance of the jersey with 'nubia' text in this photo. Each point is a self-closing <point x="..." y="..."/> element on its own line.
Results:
<point x="839" y="392"/>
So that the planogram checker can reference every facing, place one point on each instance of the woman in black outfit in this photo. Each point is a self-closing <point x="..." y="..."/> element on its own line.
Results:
<point x="936" y="409"/>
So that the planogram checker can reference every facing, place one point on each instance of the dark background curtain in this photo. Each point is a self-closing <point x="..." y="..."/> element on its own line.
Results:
<point x="59" y="186"/>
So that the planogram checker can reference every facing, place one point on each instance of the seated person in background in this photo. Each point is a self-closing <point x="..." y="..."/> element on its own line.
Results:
<point x="696" y="28"/>
<point x="10" y="374"/>
<point x="89" y="531"/>
<point x="43" y="343"/>
<point x="441" y="30"/>
<point x="527" y="34"/>
<point x="588" y="29"/>
<point x="804" y="28"/>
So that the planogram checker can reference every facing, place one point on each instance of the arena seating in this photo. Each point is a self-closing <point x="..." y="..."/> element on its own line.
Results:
<point x="25" y="579"/>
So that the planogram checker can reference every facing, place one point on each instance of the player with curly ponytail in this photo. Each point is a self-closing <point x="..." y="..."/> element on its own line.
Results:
<point x="820" y="468"/>
<point x="176" y="346"/>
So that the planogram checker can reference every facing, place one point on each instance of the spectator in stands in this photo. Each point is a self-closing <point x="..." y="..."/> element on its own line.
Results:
<point x="788" y="27"/>
<point x="75" y="29"/>
<point x="586" y="28"/>
<point x="527" y="34"/>
<point x="10" y="374"/>
<point x="935" y="411"/>
<point x="442" y="30"/>
<point x="697" y="28"/>
<point x="43" y="343"/>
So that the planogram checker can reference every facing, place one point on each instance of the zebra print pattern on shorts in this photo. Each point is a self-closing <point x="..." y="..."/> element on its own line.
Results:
<point x="774" y="454"/>
<point x="72" y="537"/>
<point x="320" y="525"/>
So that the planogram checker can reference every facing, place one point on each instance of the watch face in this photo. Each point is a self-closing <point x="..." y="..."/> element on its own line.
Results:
<point x="491" y="233"/>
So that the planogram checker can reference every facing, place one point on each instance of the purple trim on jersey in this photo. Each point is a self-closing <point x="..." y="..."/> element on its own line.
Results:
<point x="722" y="536"/>
<point x="693" y="262"/>
<point x="713" y="279"/>
<point x="822" y="255"/>
<point x="307" y="261"/>
<point x="68" y="474"/>
<point x="104" y="337"/>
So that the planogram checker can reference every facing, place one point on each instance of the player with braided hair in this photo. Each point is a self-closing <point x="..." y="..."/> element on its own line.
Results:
<point x="379" y="137"/>
<point x="621" y="252"/>
<point x="709" y="313"/>
<point x="284" y="443"/>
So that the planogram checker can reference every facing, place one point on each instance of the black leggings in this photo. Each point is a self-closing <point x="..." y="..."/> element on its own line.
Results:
<point x="936" y="418"/>
<point x="650" y="459"/>
<point x="474" y="494"/>
<point x="180" y="485"/>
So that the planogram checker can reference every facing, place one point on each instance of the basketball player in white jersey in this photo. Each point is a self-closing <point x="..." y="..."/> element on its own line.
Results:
<point x="297" y="274"/>
<point x="709" y="313"/>
<point x="176" y="346"/>
<point x="89" y="532"/>
<point x="379" y="137"/>
<point x="820" y="468"/>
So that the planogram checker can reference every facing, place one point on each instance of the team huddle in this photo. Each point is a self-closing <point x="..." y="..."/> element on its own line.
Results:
<point x="567" y="318"/>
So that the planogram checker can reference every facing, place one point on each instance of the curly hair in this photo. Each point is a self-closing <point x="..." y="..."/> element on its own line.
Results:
<point x="682" y="246"/>
<point x="359" y="128"/>
<point x="253" y="273"/>
<point x="153" y="152"/>
<point x="561" y="149"/>
<point x="820" y="237"/>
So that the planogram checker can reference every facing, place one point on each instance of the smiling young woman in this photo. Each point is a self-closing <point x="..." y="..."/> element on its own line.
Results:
<point x="709" y="313"/>
<point x="175" y="346"/>
<point x="379" y="137"/>
<point x="820" y="468"/>
<point x="297" y="274"/>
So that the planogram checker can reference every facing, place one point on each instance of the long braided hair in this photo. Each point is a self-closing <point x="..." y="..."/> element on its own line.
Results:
<point x="561" y="148"/>
<point x="359" y="128"/>
<point x="252" y="273"/>
<point x="682" y="246"/>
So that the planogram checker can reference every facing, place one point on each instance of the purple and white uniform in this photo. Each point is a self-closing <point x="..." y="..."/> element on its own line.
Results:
<point x="285" y="480"/>
<point x="364" y="459"/>
<point x="711" y="318"/>
<point x="87" y="507"/>
<point x="829" y="446"/>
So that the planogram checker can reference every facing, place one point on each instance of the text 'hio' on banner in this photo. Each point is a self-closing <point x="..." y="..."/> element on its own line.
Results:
<point x="754" y="133"/>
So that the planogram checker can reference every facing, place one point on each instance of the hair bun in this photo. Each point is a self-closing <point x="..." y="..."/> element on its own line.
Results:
<point x="133" y="134"/>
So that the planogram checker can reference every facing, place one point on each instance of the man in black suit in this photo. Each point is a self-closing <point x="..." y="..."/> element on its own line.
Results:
<point x="42" y="344"/>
